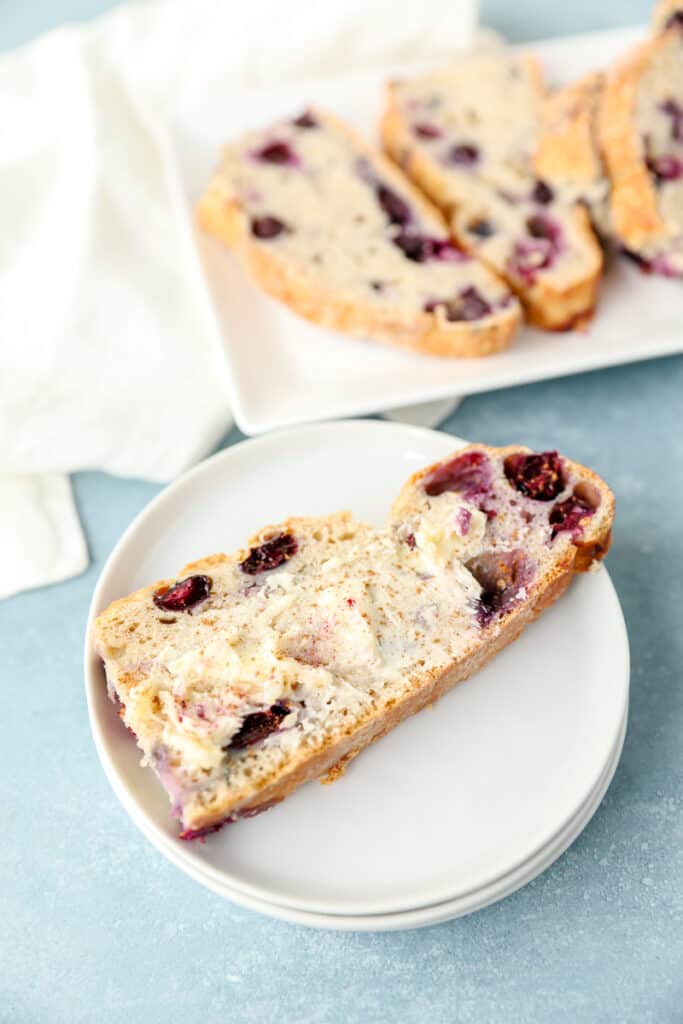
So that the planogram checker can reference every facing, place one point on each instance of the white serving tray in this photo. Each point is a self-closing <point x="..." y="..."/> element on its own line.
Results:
<point x="282" y="370"/>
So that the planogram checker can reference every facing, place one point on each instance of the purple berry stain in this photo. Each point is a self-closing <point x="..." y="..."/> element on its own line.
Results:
<point x="468" y="474"/>
<point x="463" y="518"/>
<point x="568" y="516"/>
<point x="659" y="264"/>
<point x="426" y="130"/>
<point x="665" y="168"/>
<point x="503" y="577"/>
<point x="189" y="834"/>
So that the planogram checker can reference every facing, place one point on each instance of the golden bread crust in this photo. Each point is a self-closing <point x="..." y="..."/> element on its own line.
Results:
<point x="634" y="213"/>
<point x="567" y="148"/>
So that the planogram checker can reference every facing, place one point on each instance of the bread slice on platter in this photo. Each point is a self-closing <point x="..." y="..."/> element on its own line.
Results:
<point x="640" y="127"/>
<point x="567" y="154"/>
<point x="249" y="674"/>
<point x="467" y="137"/>
<point x="667" y="14"/>
<point x="330" y="227"/>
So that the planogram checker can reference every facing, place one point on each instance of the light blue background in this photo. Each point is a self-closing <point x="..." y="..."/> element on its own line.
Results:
<point x="97" y="927"/>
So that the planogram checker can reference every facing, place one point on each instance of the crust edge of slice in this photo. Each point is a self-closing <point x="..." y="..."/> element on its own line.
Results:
<point x="634" y="211"/>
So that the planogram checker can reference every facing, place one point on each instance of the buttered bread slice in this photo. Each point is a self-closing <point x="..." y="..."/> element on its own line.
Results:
<point x="252" y="673"/>
<point x="467" y="136"/>
<point x="328" y="225"/>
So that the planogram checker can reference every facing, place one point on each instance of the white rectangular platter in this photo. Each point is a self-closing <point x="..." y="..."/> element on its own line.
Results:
<point x="282" y="370"/>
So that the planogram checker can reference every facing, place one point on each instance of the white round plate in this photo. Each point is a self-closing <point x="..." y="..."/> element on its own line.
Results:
<point x="453" y="800"/>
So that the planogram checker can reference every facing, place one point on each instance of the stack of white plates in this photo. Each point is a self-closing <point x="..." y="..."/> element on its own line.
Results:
<point x="453" y="810"/>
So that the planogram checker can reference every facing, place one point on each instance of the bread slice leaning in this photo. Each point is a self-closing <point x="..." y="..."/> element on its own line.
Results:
<point x="327" y="225"/>
<point x="467" y="137"/>
<point x="567" y="154"/>
<point x="640" y="128"/>
<point x="250" y="674"/>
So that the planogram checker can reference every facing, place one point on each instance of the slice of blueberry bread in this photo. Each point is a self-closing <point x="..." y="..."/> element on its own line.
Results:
<point x="640" y="125"/>
<point x="467" y="136"/>
<point x="567" y="155"/>
<point x="329" y="226"/>
<point x="252" y="673"/>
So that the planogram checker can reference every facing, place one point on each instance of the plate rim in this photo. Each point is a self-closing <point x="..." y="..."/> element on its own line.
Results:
<point x="125" y="794"/>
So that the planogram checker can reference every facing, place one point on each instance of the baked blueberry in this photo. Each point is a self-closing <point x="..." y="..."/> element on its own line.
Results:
<point x="184" y="595"/>
<point x="270" y="555"/>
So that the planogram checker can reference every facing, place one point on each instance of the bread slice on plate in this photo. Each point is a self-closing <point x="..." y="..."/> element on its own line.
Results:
<point x="330" y="227"/>
<point x="467" y="137"/>
<point x="252" y="673"/>
<point x="640" y="125"/>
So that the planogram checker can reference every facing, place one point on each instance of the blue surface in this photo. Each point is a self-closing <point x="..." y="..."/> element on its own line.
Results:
<point x="97" y="927"/>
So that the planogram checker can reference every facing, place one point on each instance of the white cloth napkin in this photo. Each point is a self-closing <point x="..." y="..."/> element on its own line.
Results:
<point x="109" y="357"/>
<point x="42" y="541"/>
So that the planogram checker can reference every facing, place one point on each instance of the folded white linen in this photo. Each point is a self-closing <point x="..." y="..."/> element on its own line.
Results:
<point x="110" y="356"/>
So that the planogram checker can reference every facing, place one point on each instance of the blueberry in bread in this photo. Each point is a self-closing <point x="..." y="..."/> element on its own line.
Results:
<point x="640" y="127"/>
<point x="252" y="673"/>
<point x="467" y="137"/>
<point x="329" y="226"/>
